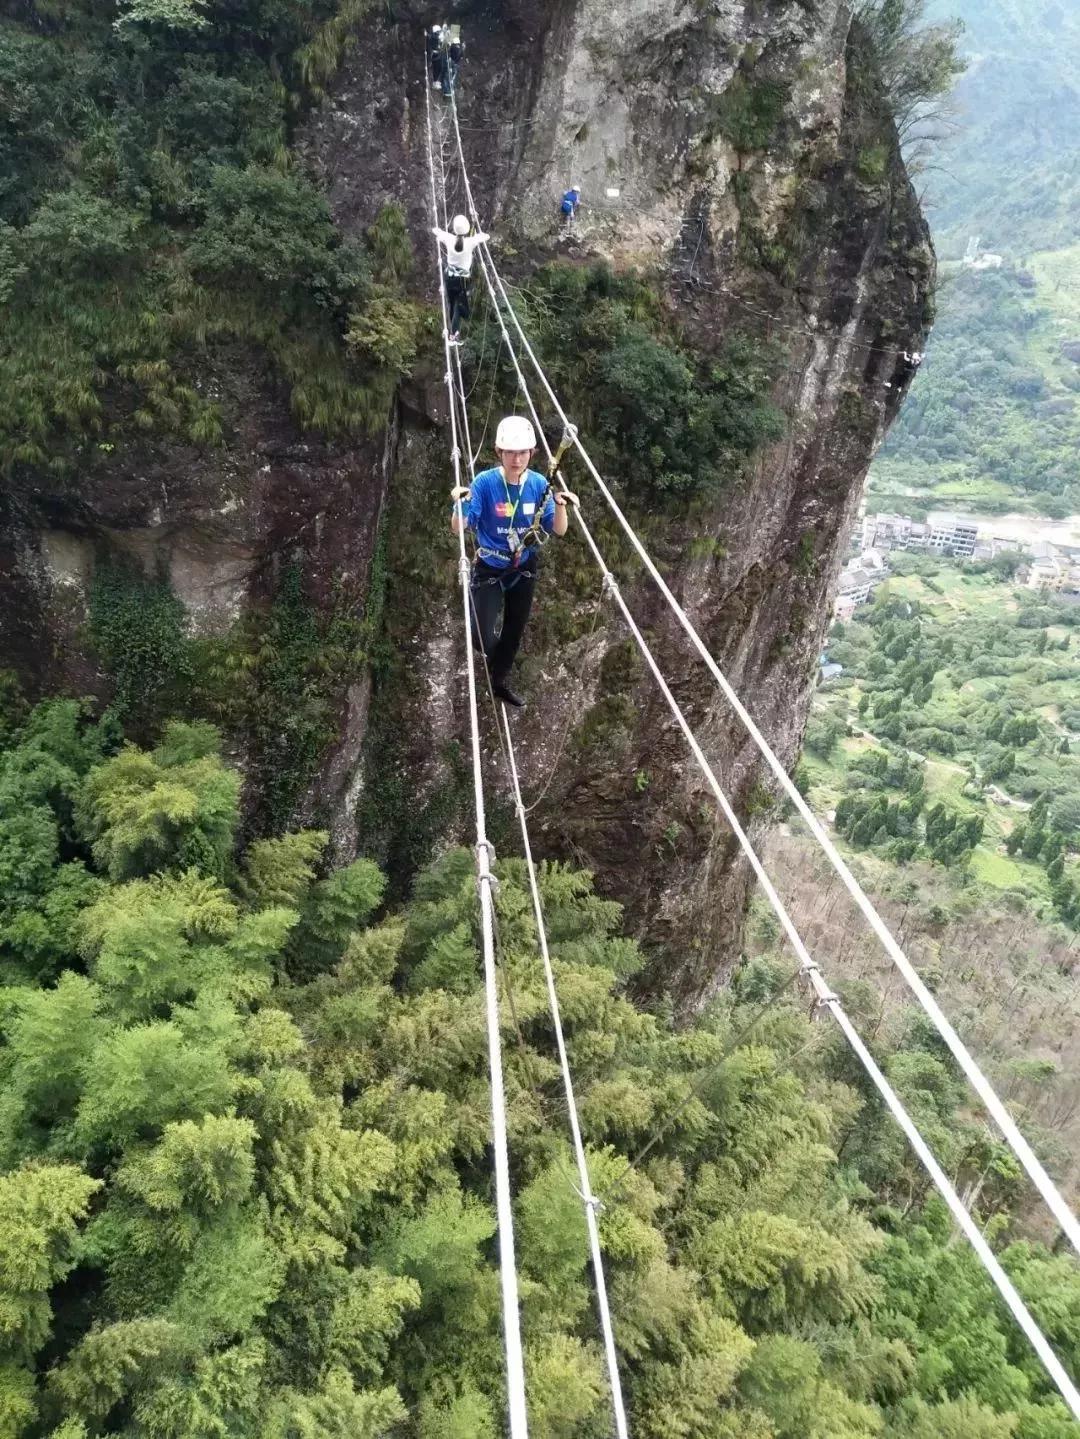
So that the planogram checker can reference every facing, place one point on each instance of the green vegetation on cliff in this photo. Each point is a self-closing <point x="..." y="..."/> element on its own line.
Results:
<point x="151" y="213"/>
<point x="246" y="1191"/>
<point x="272" y="682"/>
<point x="665" y="418"/>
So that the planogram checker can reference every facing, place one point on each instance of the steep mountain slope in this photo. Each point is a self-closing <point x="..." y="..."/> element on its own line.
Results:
<point x="784" y="264"/>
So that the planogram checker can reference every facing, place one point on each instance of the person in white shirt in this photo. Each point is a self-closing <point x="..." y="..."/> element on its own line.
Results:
<point x="459" y="247"/>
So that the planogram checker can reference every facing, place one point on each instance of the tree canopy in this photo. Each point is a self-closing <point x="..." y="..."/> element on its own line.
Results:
<point x="246" y="1190"/>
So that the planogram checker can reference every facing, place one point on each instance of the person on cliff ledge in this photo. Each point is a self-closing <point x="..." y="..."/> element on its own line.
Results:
<point x="568" y="208"/>
<point x="460" y="247"/>
<point x="500" y="507"/>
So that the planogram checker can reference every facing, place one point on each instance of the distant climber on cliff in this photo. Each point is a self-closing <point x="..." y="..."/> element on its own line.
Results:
<point x="446" y="50"/>
<point x="910" y="360"/>
<point x="913" y="359"/>
<point x="433" y="45"/>
<point x="568" y="208"/>
<point x="501" y="508"/>
<point x="459" y="246"/>
<point x="454" y="55"/>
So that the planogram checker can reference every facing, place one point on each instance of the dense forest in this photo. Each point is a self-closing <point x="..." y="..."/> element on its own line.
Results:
<point x="1008" y="164"/>
<point x="244" y="1125"/>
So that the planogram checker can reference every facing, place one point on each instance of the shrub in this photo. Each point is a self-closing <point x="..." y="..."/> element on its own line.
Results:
<point x="80" y="234"/>
<point x="137" y="627"/>
<point x="274" y="231"/>
<point x="749" y="110"/>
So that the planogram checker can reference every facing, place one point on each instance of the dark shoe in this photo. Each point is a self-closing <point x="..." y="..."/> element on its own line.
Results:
<point x="502" y="691"/>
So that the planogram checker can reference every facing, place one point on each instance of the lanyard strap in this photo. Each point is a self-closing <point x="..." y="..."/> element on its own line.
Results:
<point x="521" y="494"/>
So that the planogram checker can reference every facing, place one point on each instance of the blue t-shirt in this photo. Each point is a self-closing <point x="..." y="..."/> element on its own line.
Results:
<point x="495" y="507"/>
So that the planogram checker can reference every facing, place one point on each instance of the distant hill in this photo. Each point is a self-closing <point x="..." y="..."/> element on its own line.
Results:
<point x="1011" y="173"/>
<point x="993" y="419"/>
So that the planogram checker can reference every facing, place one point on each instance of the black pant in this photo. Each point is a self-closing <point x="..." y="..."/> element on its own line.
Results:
<point x="508" y="593"/>
<point x="457" y="296"/>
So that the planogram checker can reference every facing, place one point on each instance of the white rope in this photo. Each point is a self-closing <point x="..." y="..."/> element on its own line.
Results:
<point x="515" y="1367"/>
<point x="811" y="970"/>
<point x="1001" y="1280"/>
<point x="808" y="966"/>
<point x="1050" y="1193"/>
<point x="455" y="350"/>
<point x="588" y="1199"/>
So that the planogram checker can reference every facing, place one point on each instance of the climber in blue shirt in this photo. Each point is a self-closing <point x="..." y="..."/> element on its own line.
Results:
<point x="568" y="206"/>
<point x="501" y="508"/>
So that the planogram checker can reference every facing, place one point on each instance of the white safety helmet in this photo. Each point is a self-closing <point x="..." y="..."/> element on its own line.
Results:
<point x="575" y="189"/>
<point x="515" y="432"/>
<point x="461" y="225"/>
<point x="436" y="29"/>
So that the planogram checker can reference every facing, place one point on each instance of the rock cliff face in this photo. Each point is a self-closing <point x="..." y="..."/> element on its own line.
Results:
<point x="742" y="154"/>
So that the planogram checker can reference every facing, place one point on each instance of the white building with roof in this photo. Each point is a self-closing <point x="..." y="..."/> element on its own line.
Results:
<point x="951" y="535"/>
<point x="857" y="584"/>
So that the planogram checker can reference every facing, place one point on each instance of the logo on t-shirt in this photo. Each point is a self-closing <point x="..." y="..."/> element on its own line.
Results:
<point x="502" y="509"/>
